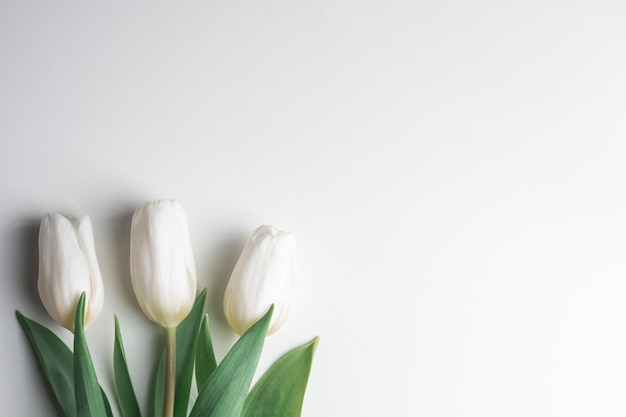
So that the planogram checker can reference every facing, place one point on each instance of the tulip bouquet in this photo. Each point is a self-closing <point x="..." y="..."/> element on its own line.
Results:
<point x="164" y="281"/>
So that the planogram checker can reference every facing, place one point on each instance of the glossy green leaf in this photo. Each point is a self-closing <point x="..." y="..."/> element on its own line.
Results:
<point x="186" y="343"/>
<point x="205" y="356"/>
<point x="89" y="400"/>
<point x="123" y="384"/>
<point x="224" y="393"/>
<point x="56" y="360"/>
<point x="280" y="391"/>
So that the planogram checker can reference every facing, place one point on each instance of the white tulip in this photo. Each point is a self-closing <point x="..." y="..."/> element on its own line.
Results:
<point x="263" y="276"/>
<point x="162" y="265"/>
<point x="67" y="267"/>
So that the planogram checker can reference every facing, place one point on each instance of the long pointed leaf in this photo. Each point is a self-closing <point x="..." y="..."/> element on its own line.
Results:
<point x="56" y="360"/>
<point x="89" y="401"/>
<point x="159" y="387"/>
<point x="186" y="343"/>
<point x="225" y="392"/>
<point x="107" y="404"/>
<point x="123" y="384"/>
<point x="57" y="364"/>
<point x="280" y="391"/>
<point x="205" y="356"/>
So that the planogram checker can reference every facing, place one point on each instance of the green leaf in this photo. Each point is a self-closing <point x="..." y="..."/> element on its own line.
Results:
<point x="186" y="343"/>
<point x="56" y="360"/>
<point x="159" y="387"/>
<point x="280" y="391"/>
<point x="123" y="384"/>
<point x="205" y="356"/>
<point x="224" y="393"/>
<point x="89" y="400"/>
<point x="107" y="404"/>
<point x="57" y="364"/>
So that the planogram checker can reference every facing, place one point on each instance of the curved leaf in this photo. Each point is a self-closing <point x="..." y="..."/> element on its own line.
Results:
<point x="57" y="364"/>
<point x="280" y="391"/>
<point x="56" y="360"/>
<point x="107" y="404"/>
<point x="159" y="387"/>
<point x="205" y="356"/>
<point x="123" y="384"/>
<point x="89" y="400"/>
<point x="224" y="393"/>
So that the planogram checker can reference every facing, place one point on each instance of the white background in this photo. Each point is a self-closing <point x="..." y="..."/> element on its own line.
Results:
<point x="453" y="171"/>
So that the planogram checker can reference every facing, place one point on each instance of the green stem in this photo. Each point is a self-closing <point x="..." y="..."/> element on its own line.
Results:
<point x="170" y="371"/>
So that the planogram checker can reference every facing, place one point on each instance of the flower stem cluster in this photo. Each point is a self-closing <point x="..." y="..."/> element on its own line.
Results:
<point x="163" y="274"/>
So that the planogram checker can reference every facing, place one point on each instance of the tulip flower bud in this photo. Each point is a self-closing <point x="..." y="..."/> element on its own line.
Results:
<point x="263" y="276"/>
<point x="162" y="266"/>
<point x="67" y="267"/>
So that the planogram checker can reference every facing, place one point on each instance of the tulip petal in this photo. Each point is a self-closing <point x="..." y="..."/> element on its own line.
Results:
<point x="263" y="275"/>
<point x="84" y="232"/>
<point x="67" y="267"/>
<point x="162" y="267"/>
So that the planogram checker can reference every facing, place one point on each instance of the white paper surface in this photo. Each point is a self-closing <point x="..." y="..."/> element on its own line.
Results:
<point x="453" y="172"/>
